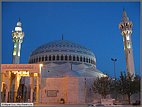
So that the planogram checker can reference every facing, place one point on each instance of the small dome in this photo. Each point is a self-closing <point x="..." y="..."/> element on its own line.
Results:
<point x="19" y="24"/>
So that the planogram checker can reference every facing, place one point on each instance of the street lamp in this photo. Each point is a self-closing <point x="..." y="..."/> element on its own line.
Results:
<point x="114" y="60"/>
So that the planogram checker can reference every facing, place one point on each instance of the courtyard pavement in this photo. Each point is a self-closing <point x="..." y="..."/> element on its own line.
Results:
<point x="62" y="105"/>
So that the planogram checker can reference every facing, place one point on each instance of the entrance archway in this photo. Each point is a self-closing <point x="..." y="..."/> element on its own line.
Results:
<point x="9" y="72"/>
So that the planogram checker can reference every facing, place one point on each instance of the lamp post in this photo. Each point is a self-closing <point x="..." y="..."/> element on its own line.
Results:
<point x="114" y="60"/>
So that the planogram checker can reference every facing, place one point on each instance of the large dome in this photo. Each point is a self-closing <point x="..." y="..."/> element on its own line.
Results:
<point x="62" y="51"/>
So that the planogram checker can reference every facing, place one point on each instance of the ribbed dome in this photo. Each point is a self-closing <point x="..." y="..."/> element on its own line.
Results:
<point x="61" y="49"/>
<point x="62" y="46"/>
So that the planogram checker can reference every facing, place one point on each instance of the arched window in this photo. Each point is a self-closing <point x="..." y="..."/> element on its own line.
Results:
<point x="39" y="59"/>
<point x="66" y="57"/>
<point x="81" y="58"/>
<point x="36" y="59"/>
<point x="53" y="57"/>
<point x="73" y="58"/>
<point x="46" y="58"/>
<point x="130" y="25"/>
<point x="49" y="57"/>
<point x="43" y="58"/>
<point x="62" y="57"/>
<point x="89" y="60"/>
<point x="122" y="26"/>
<point x="57" y="57"/>
<point x="126" y="24"/>
<point x="77" y="58"/>
<point x="70" y="58"/>
<point x="94" y="63"/>
<point x="86" y="59"/>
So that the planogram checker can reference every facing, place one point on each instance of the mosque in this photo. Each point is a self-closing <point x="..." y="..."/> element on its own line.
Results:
<point x="69" y="70"/>
<point x="60" y="70"/>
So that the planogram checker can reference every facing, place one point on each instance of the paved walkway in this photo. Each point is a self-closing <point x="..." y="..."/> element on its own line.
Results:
<point x="62" y="105"/>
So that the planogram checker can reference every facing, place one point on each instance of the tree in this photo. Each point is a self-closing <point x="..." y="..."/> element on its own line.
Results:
<point x="114" y="88"/>
<point x="129" y="86"/>
<point x="102" y="86"/>
<point x="136" y="82"/>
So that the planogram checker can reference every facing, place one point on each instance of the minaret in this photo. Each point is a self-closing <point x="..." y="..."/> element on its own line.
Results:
<point x="126" y="30"/>
<point x="17" y="39"/>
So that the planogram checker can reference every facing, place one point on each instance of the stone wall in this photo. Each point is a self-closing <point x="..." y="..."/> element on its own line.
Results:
<point x="67" y="88"/>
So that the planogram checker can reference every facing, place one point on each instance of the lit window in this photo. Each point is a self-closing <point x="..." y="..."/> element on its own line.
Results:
<point x="128" y="45"/>
<point x="19" y="52"/>
<point x="14" y="52"/>
<point x="15" y="45"/>
<point x="18" y="29"/>
<point x="128" y="37"/>
<point x="19" y="46"/>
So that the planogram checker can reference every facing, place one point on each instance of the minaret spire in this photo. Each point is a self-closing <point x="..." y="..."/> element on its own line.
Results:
<point x="19" y="19"/>
<point x="126" y="30"/>
<point x="124" y="16"/>
<point x="124" y="13"/>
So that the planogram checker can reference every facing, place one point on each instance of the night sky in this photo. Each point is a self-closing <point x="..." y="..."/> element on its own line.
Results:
<point x="91" y="24"/>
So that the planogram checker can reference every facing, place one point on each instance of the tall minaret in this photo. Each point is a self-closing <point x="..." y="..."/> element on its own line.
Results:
<point x="17" y="39"/>
<point x="126" y="30"/>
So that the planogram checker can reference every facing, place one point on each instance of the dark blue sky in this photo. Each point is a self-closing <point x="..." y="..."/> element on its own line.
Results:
<point x="91" y="24"/>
